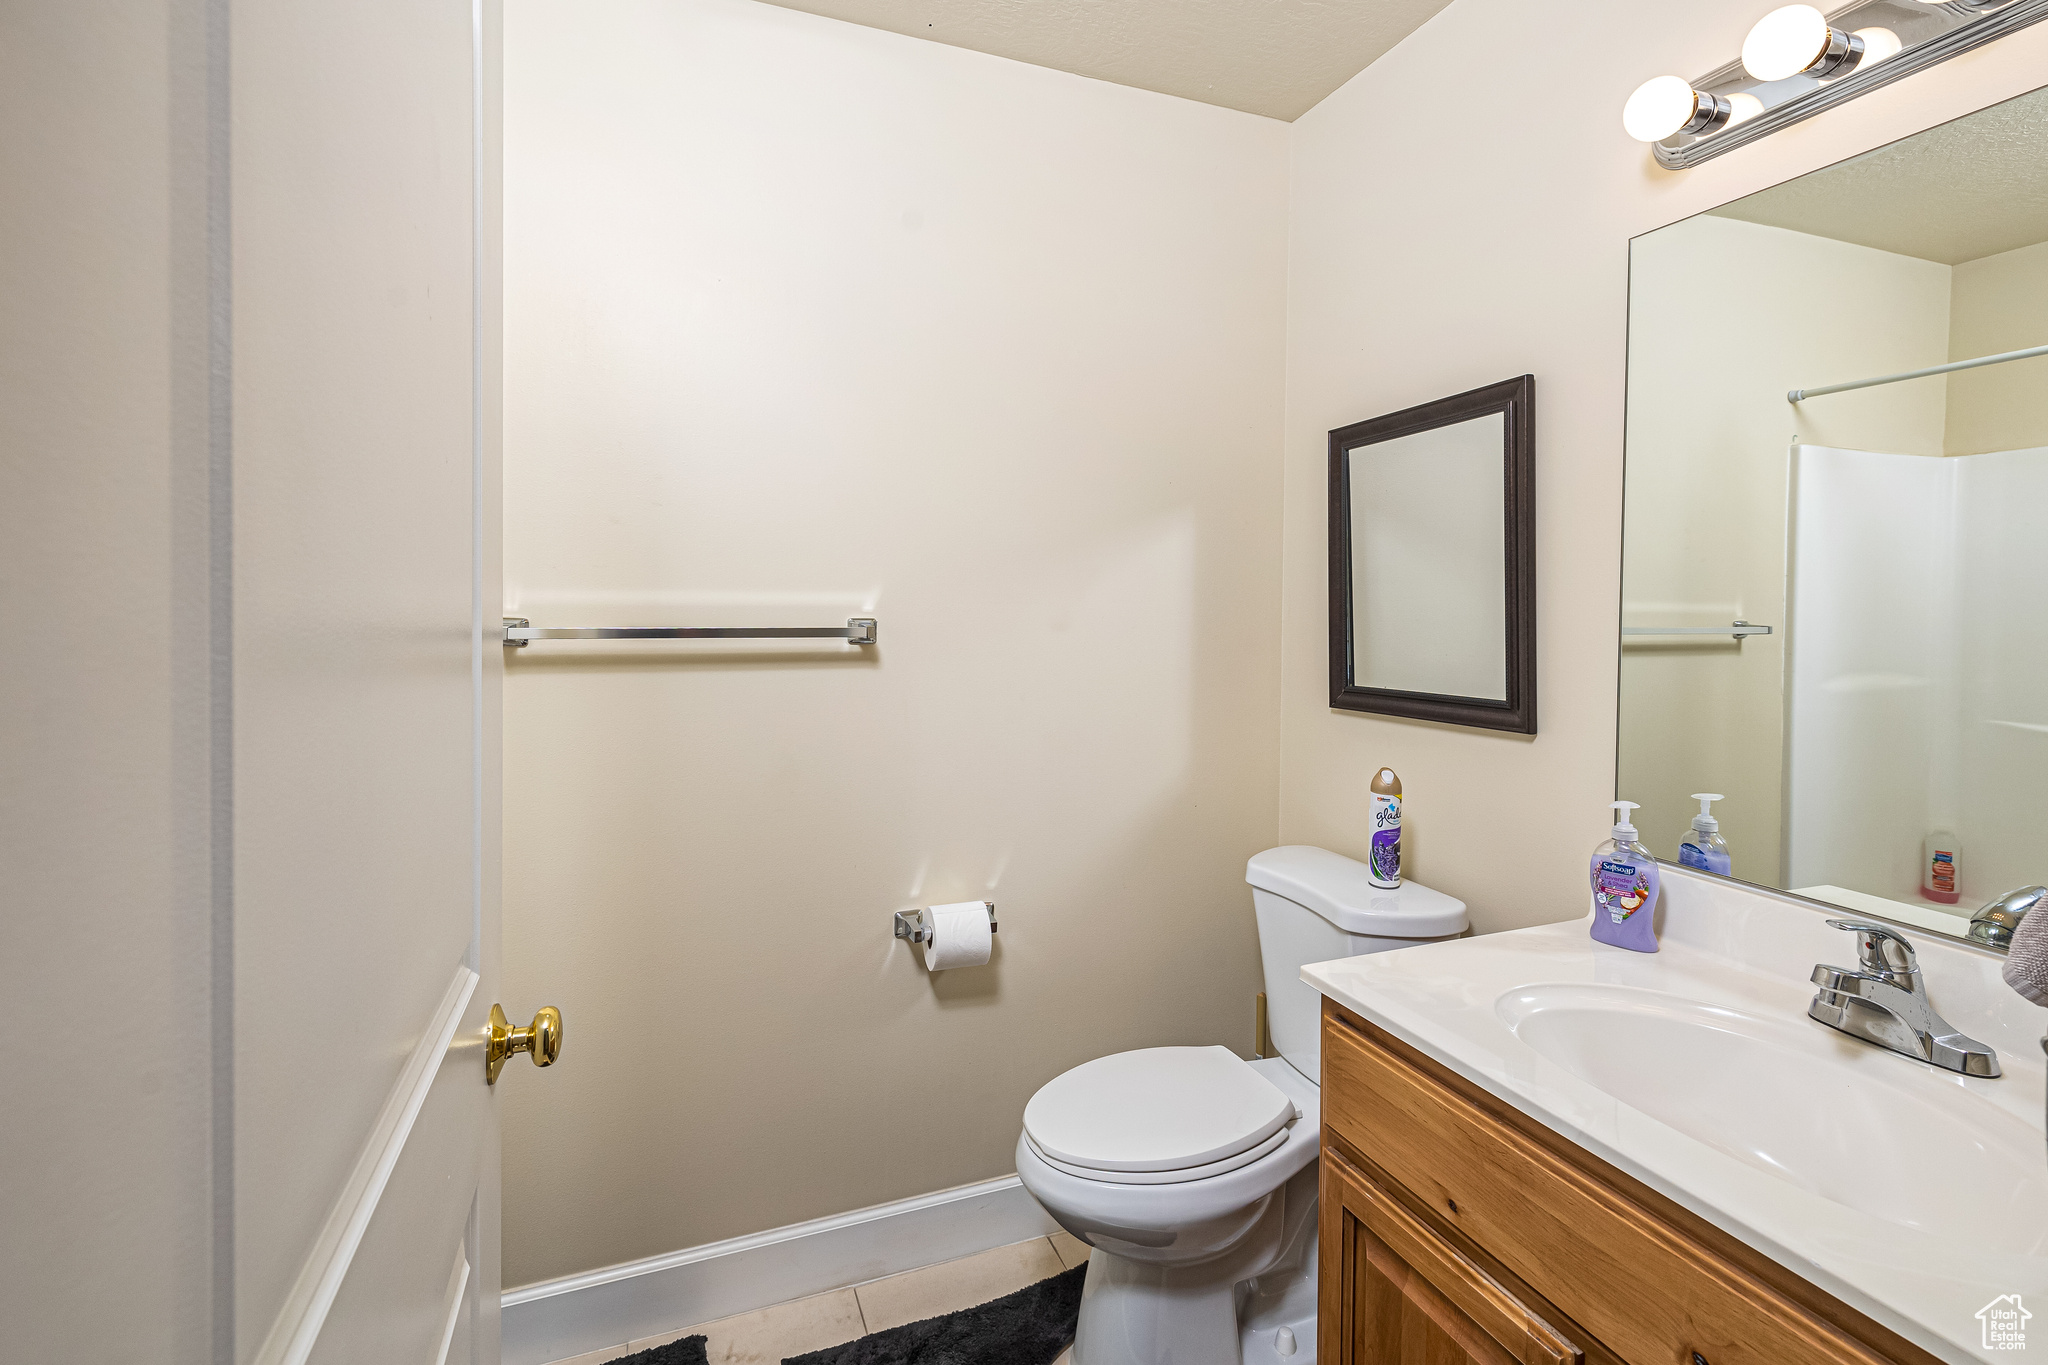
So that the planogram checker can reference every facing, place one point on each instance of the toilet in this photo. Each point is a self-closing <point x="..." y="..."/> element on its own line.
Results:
<point x="1191" y="1172"/>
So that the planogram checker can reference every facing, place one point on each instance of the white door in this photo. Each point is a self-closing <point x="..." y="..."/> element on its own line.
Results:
<point x="247" y="558"/>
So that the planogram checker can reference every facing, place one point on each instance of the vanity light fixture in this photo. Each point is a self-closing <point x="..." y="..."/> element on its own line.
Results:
<point x="1798" y="61"/>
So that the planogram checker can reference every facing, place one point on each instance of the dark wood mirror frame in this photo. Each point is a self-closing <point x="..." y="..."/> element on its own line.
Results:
<point x="1515" y="400"/>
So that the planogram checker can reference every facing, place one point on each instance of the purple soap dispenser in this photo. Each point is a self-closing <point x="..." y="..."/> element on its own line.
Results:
<point x="1625" y="886"/>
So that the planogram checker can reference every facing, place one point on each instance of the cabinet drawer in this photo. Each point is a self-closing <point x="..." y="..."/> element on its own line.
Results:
<point x="1649" y="1292"/>
<point x="1401" y="1293"/>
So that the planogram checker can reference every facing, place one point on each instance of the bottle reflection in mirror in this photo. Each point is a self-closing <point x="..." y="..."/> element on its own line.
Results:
<point x="1704" y="848"/>
<point x="1940" y="858"/>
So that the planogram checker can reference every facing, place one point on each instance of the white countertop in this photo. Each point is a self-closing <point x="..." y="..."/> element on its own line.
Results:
<point x="1914" y="1194"/>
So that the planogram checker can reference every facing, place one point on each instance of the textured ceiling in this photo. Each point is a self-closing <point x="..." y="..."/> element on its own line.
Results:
<point x="1272" y="57"/>
<point x="1957" y="192"/>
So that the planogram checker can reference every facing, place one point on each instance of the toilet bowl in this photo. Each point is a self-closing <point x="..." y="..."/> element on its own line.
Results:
<point x="1169" y="1254"/>
<point x="1191" y="1172"/>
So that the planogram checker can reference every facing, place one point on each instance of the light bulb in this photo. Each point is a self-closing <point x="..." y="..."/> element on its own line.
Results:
<point x="1664" y="105"/>
<point x="1742" y="105"/>
<point x="1878" y="44"/>
<point x="1798" y="39"/>
<point x="1659" y="107"/>
<point x="1784" y="42"/>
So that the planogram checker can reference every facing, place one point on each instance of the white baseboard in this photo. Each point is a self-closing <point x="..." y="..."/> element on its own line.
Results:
<point x="556" y="1319"/>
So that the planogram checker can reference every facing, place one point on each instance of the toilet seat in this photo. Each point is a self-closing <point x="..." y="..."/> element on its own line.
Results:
<point x="1162" y="1115"/>
<point x="1176" y="1177"/>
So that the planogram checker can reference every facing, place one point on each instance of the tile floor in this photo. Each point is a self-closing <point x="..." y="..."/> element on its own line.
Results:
<point x="766" y="1335"/>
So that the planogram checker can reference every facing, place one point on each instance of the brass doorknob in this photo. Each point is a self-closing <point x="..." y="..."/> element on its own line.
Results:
<point x="540" y="1040"/>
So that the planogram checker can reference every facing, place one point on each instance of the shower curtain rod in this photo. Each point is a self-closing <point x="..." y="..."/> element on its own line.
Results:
<point x="1794" y="395"/>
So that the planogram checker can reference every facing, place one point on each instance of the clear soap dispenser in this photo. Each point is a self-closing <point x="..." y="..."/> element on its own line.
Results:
<point x="1704" y="848"/>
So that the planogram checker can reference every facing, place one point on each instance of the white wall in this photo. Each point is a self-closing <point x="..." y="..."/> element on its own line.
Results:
<point x="1461" y="214"/>
<point x="803" y="320"/>
<point x="1721" y="323"/>
<point x="106" y="877"/>
<point x="2001" y="304"/>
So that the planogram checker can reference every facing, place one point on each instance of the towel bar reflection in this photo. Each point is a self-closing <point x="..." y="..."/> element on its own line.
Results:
<point x="1736" y="631"/>
<point x="858" y="630"/>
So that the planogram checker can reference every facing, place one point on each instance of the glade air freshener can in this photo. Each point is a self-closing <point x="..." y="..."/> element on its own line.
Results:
<point x="1383" y="863"/>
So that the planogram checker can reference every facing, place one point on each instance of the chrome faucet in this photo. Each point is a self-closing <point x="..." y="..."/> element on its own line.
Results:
<point x="1996" y="923"/>
<point x="1885" y="1002"/>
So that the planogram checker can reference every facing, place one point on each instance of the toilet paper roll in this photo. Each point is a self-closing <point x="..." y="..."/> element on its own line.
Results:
<point x="957" y="935"/>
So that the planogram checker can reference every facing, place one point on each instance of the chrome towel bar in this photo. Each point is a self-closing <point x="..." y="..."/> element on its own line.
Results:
<point x="1736" y="631"/>
<point x="858" y="630"/>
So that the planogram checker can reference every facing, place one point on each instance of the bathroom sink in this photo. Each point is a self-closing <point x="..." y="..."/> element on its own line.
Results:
<point x="1844" y="1120"/>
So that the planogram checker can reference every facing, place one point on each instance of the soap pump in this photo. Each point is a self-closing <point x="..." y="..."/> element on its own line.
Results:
<point x="1704" y="848"/>
<point x="1625" y="885"/>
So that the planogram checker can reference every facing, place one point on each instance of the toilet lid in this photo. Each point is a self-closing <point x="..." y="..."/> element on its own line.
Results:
<point x="1157" y="1109"/>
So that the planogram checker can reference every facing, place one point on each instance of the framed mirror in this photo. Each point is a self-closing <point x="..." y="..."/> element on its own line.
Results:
<point x="1433" y="561"/>
<point x="1834" y="612"/>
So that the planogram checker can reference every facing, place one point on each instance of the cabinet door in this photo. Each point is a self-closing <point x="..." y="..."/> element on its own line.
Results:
<point x="1396" y="1293"/>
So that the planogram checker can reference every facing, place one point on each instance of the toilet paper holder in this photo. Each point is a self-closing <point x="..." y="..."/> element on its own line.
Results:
<point x="909" y="924"/>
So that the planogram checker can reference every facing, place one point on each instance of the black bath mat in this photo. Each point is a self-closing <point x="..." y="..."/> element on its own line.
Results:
<point x="687" y="1351"/>
<point x="1029" y="1327"/>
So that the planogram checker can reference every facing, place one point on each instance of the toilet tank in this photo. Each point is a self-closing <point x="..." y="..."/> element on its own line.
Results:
<point x="1314" y="905"/>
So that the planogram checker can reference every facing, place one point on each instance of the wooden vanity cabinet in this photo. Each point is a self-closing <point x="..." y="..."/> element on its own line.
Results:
<point x="1456" y="1229"/>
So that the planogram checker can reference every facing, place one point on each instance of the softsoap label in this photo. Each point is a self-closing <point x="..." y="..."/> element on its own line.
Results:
<point x="1620" y="888"/>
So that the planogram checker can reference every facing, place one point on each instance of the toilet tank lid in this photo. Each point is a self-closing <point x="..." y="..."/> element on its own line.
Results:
<point x="1341" y="891"/>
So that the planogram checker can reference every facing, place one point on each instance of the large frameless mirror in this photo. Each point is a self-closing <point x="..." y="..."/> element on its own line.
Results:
<point x="1834" y="597"/>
